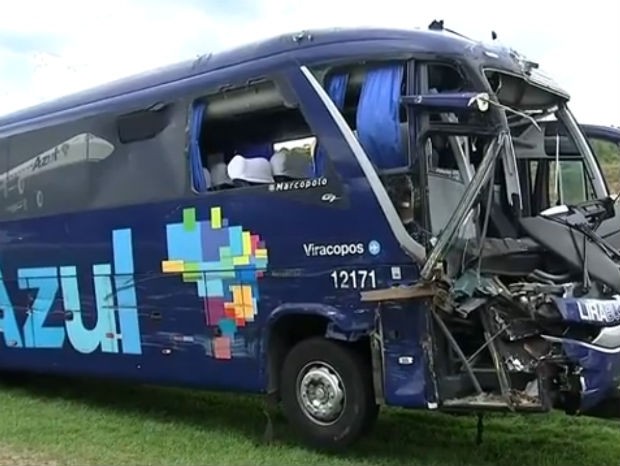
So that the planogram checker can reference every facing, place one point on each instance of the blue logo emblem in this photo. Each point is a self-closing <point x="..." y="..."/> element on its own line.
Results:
<point x="374" y="247"/>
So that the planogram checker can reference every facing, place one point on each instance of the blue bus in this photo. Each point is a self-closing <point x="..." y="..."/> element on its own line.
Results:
<point x="336" y="219"/>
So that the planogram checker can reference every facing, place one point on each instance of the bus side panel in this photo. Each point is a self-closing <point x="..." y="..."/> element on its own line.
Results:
<point x="405" y="338"/>
<point x="56" y="300"/>
<point x="180" y="292"/>
<point x="88" y="294"/>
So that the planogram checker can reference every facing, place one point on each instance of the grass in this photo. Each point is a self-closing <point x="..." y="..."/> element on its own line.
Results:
<point x="92" y="422"/>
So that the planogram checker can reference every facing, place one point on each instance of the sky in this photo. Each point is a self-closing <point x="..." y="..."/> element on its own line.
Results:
<point x="49" y="49"/>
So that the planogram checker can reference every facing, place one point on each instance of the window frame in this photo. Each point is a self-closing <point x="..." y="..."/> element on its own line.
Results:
<point x="420" y="128"/>
<point x="291" y="101"/>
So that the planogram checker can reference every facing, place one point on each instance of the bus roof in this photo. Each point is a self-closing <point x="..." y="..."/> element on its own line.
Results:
<point x="310" y="46"/>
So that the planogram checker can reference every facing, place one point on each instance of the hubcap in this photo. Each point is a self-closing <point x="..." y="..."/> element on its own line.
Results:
<point x="320" y="393"/>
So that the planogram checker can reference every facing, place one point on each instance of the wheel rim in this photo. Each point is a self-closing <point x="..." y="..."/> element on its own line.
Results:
<point x="321" y="393"/>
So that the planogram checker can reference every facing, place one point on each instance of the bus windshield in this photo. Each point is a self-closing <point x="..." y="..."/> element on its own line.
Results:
<point x="539" y="159"/>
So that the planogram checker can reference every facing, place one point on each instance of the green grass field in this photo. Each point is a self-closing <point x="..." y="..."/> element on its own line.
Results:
<point x="69" y="421"/>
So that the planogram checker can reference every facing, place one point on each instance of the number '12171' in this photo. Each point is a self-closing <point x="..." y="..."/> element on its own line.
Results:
<point x="354" y="279"/>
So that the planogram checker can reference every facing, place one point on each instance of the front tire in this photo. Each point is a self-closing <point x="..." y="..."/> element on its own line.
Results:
<point x="327" y="393"/>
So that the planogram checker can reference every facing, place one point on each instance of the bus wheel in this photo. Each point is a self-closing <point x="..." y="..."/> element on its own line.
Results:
<point x="327" y="393"/>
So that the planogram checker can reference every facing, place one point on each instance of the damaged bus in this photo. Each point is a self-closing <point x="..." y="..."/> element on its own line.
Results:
<point x="340" y="220"/>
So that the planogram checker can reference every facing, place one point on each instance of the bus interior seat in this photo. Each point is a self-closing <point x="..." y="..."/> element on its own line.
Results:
<point x="249" y="172"/>
<point x="219" y="176"/>
<point x="289" y="165"/>
<point x="208" y="179"/>
<point x="216" y="171"/>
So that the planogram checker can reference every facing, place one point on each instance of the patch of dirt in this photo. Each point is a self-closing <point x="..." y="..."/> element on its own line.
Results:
<point x="11" y="457"/>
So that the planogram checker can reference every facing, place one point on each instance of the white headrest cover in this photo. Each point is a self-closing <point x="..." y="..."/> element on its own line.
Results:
<point x="219" y="174"/>
<point x="255" y="170"/>
<point x="291" y="163"/>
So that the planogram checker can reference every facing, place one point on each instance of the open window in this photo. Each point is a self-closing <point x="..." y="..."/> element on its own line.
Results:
<point x="374" y="99"/>
<point x="369" y="96"/>
<point x="248" y="135"/>
<point x="451" y="140"/>
<point x="447" y="179"/>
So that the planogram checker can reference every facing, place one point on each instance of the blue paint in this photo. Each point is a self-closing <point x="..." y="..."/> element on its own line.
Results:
<point x="228" y="327"/>
<point x="246" y="275"/>
<point x="102" y="269"/>
<point x="128" y="315"/>
<point x="106" y="317"/>
<point x="68" y="271"/>
<point x="183" y="245"/>
<point x="406" y="385"/>
<point x="81" y="339"/>
<point x="215" y="288"/>
<point x="601" y="372"/>
<point x="35" y="272"/>
<point x="70" y="293"/>
<point x="236" y="243"/>
<point x="218" y="239"/>
<point x="8" y="322"/>
<point x="44" y="282"/>
<point x="45" y="285"/>
<point x="202" y="285"/>
<point x="123" y="254"/>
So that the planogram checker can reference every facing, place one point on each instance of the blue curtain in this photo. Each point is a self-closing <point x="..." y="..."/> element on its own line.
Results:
<point x="378" y="123"/>
<point x="199" y="179"/>
<point x="336" y="89"/>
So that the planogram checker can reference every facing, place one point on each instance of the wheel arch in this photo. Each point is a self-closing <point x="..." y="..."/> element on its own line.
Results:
<point x="289" y="324"/>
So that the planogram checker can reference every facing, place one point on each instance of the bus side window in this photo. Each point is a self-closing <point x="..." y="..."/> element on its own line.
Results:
<point x="368" y="94"/>
<point x="246" y="137"/>
<point x="136" y="155"/>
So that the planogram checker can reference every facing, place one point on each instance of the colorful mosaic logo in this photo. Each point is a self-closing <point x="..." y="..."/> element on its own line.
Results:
<point x="225" y="262"/>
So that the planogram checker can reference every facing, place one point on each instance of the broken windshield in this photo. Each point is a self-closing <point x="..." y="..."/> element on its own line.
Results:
<point x="524" y="169"/>
<point x="530" y="102"/>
